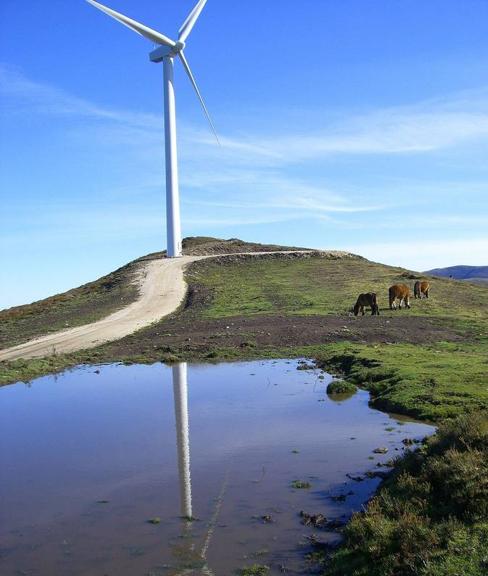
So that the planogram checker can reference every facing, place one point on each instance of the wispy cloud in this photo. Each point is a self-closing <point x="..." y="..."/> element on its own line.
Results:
<point x="428" y="126"/>
<point x="252" y="178"/>
<point x="45" y="99"/>
<point x="300" y="202"/>
<point x="425" y="127"/>
<point x="241" y="167"/>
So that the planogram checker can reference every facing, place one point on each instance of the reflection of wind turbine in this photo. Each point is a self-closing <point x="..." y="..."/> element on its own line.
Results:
<point x="166" y="52"/>
<point x="180" y="392"/>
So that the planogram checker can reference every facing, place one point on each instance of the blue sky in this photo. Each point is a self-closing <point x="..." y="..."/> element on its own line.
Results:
<point x="358" y="125"/>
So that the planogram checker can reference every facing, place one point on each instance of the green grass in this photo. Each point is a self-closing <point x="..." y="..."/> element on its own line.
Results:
<point x="316" y="285"/>
<point x="434" y="382"/>
<point x="26" y="370"/>
<point x="341" y="387"/>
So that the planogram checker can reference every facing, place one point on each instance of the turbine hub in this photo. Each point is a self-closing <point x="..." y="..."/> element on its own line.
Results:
<point x="178" y="47"/>
<point x="162" y="52"/>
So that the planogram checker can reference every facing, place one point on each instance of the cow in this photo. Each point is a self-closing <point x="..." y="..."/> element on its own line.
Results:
<point x="368" y="299"/>
<point x="421" y="289"/>
<point x="400" y="292"/>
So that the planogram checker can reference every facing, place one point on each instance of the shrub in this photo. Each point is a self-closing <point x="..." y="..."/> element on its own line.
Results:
<point x="341" y="387"/>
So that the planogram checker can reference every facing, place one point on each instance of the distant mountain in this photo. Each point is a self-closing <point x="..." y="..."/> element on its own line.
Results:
<point x="470" y="273"/>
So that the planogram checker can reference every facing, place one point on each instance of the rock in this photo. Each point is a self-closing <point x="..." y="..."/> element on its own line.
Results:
<point x="305" y="366"/>
<point x="315" y="520"/>
<point x="382" y="450"/>
<point x="300" y="484"/>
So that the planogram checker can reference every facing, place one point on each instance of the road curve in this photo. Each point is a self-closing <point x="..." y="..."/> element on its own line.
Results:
<point x="162" y="290"/>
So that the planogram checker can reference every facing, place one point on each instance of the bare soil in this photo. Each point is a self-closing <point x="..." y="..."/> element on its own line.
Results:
<point x="186" y="333"/>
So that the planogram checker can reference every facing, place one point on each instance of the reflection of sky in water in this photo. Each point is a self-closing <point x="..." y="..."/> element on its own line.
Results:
<point x="70" y="441"/>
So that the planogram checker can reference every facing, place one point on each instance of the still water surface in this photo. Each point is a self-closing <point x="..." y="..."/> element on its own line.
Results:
<point x="88" y="457"/>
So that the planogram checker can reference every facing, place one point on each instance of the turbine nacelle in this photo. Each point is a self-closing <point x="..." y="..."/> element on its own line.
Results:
<point x="162" y="52"/>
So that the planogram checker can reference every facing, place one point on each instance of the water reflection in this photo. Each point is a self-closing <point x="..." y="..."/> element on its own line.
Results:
<point x="180" y="394"/>
<point x="340" y="397"/>
<point x="193" y="560"/>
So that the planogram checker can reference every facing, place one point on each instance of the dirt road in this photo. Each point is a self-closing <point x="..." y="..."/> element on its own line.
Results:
<point x="162" y="290"/>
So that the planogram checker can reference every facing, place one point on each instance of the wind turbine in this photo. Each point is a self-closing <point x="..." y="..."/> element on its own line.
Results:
<point x="166" y="52"/>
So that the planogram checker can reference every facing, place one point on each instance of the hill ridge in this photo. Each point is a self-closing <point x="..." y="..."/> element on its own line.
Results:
<point x="461" y="272"/>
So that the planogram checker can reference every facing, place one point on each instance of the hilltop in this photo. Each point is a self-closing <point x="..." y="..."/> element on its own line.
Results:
<point x="205" y="245"/>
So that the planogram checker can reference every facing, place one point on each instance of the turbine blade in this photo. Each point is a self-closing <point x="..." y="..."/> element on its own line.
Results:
<point x="148" y="33"/>
<point x="188" y="24"/>
<point x="192" y="80"/>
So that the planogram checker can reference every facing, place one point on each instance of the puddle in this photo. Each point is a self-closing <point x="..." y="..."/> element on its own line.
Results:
<point x="90" y="457"/>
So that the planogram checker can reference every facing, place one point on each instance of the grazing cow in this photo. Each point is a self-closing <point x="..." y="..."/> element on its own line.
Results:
<point x="421" y="289"/>
<point x="368" y="299"/>
<point x="399" y="292"/>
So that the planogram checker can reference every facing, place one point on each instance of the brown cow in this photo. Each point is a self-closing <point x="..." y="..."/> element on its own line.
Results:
<point x="368" y="299"/>
<point x="400" y="292"/>
<point x="421" y="289"/>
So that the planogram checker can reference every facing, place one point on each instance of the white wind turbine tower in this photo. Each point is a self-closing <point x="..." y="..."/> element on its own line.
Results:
<point x="166" y="52"/>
